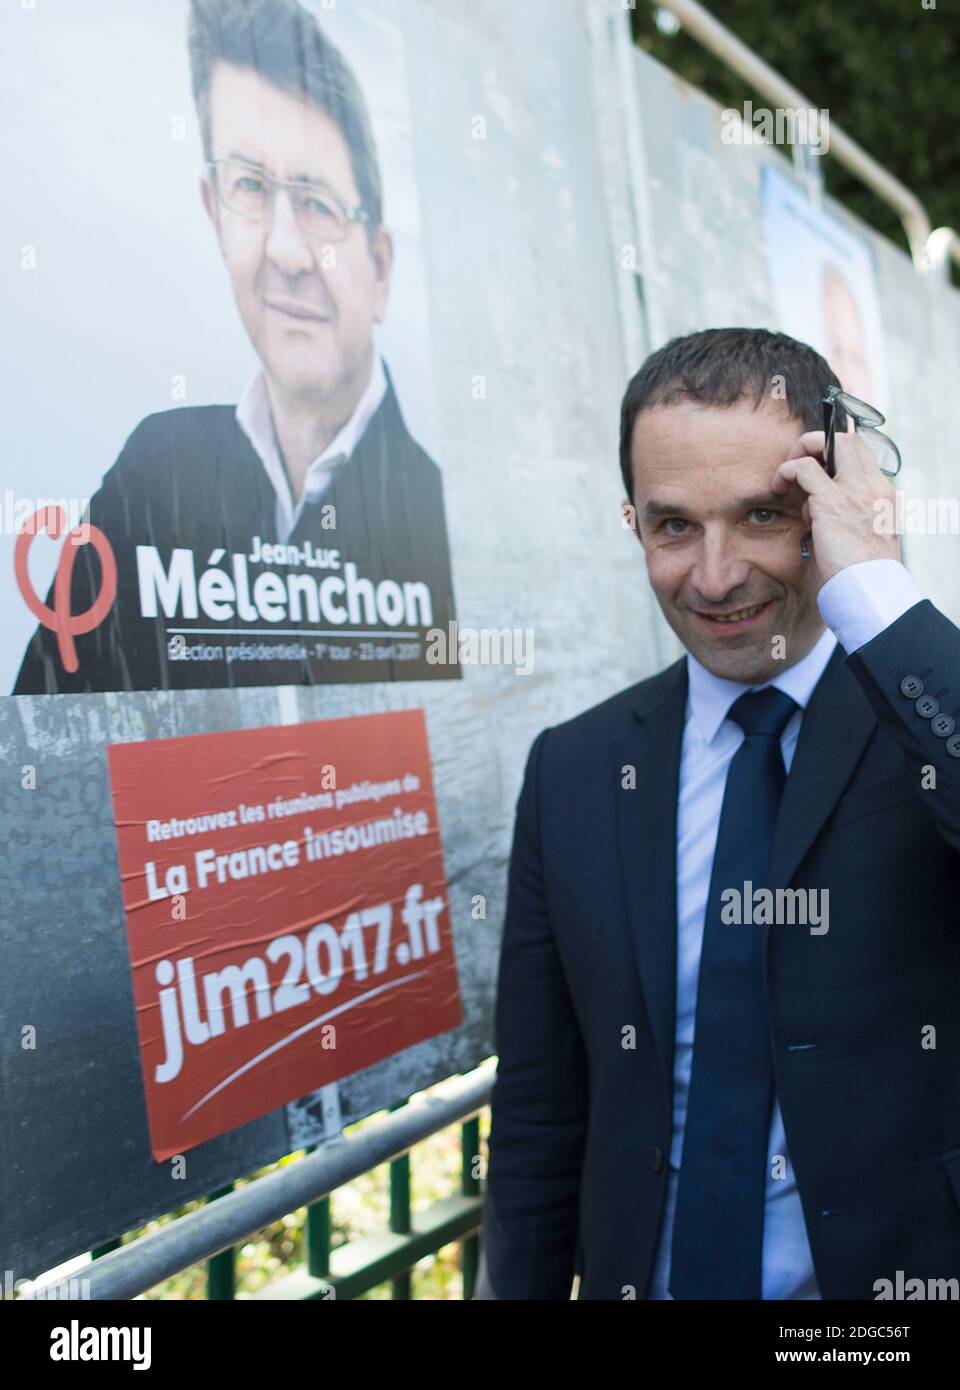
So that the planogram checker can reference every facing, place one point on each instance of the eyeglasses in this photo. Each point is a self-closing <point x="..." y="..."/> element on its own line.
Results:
<point x="250" y="192"/>
<point x="866" y="420"/>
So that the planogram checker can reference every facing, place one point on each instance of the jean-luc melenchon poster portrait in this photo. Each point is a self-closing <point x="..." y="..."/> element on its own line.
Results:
<point x="226" y="472"/>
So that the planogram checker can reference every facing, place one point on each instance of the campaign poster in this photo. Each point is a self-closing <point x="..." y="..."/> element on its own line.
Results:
<point x="223" y="463"/>
<point x="824" y="287"/>
<point x="287" y="913"/>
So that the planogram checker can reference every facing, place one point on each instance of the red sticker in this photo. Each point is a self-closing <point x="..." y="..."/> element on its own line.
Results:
<point x="287" y="913"/>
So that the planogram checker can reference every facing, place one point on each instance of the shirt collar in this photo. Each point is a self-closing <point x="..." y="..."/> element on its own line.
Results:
<point x="255" y="418"/>
<point x="709" y="697"/>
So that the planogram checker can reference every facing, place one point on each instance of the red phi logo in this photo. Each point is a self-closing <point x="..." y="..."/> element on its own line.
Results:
<point x="59" y="619"/>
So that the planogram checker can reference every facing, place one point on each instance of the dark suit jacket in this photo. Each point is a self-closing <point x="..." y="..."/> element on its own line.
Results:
<point x="581" y="1125"/>
<point x="190" y="478"/>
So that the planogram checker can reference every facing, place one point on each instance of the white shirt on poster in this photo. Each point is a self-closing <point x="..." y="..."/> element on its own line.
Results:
<point x="255" y="418"/>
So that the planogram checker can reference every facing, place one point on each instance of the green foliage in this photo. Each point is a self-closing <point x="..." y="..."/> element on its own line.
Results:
<point x="888" y="71"/>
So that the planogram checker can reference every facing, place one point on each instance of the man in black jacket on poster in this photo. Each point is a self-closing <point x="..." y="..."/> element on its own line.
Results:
<point x="299" y="536"/>
<point x="727" y="1022"/>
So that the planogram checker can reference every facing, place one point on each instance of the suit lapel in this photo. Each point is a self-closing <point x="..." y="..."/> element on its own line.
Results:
<point x="834" y="731"/>
<point x="647" y="839"/>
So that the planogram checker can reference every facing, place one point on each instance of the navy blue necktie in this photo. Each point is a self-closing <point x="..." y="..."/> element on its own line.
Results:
<point x="718" y="1226"/>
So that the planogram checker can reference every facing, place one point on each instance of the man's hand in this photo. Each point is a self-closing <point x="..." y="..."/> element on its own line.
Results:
<point x="841" y="512"/>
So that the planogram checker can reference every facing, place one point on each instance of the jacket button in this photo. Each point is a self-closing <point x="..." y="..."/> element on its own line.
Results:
<point x="953" y="745"/>
<point x="912" y="687"/>
<point x="656" y="1157"/>
<point x="943" y="725"/>
<point x="927" y="706"/>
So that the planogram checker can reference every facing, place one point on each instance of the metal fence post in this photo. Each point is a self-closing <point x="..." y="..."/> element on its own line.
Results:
<point x="400" y="1213"/>
<point x="317" y="1235"/>
<point x="470" y="1186"/>
<point x="222" y="1268"/>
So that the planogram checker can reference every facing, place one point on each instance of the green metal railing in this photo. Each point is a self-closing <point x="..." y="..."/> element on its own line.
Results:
<point x="352" y="1269"/>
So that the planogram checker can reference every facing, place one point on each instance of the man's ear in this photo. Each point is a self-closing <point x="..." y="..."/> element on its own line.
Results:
<point x="629" y="514"/>
<point x="381" y="253"/>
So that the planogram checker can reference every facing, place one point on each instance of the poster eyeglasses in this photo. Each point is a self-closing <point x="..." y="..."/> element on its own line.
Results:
<point x="250" y="193"/>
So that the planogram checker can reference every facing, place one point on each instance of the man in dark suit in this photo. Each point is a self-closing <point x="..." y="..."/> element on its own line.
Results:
<point x="299" y="536"/>
<point x="727" y="1023"/>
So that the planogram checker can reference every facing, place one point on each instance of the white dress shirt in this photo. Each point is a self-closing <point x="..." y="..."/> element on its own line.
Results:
<point x="856" y="604"/>
<point x="255" y="418"/>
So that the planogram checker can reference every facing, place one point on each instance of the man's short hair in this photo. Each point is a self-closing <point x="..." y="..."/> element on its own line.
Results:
<point x="720" y="366"/>
<point x="282" y="42"/>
